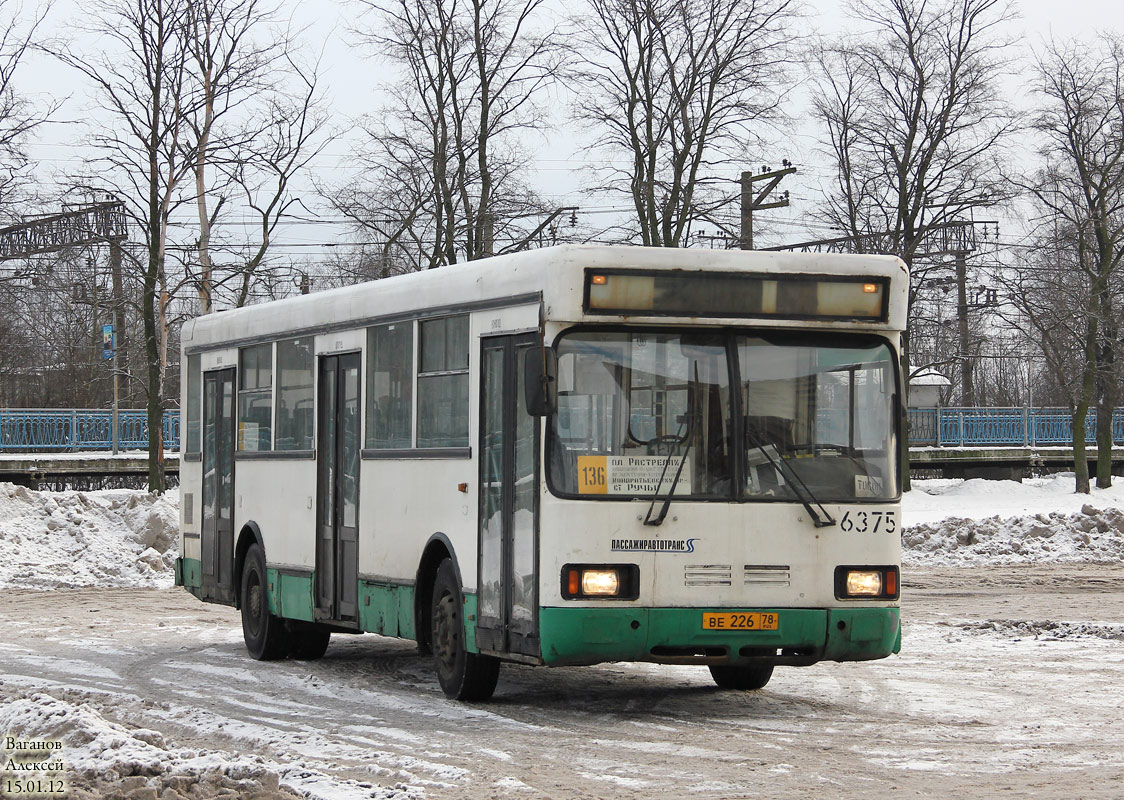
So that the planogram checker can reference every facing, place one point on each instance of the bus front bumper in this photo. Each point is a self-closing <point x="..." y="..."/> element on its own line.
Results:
<point x="803" y="636"/>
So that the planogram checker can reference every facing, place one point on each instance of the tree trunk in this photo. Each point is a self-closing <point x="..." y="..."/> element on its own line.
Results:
<point x="154" y="373"/>
<point x="1106" y="403"/>
<point x="1088" y="382"/>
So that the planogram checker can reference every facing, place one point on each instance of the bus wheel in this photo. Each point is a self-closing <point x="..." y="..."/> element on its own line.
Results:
<point x="732" y="677"/>
<point x="307" y="640"/>
<point x="462" y="675"/>
<point x="265" y="635"/>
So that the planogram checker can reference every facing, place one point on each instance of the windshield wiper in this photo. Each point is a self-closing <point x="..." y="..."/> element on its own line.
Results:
<point x="688" y="417"/>
<point x="820" y="518"/>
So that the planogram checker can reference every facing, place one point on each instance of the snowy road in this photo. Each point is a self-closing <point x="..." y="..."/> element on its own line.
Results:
<point x="1010" y="684"/>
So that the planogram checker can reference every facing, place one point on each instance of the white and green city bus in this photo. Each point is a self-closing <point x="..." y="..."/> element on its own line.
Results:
<point x="563" y="456"/>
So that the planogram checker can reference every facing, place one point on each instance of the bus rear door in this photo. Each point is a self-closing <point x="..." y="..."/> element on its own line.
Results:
<point x="337" y="489"/>
<point x="217" y="532"/>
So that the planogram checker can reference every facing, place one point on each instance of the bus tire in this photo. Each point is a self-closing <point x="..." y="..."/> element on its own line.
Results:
<point x="462" y="675"/>
<point x="267" y="638"/>
<point x="307" y="640"/>
<point x="750" y="677"/>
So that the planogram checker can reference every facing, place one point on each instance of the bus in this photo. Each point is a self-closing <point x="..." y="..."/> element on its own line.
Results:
<point x="564" y="456"/>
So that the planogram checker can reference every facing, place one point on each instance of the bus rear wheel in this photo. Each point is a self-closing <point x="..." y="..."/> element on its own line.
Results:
<point x="267" y="638"/>
<point x="741" y="677"/>
<point x="462" y="675"/>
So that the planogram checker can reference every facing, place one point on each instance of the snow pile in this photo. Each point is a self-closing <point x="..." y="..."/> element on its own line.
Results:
<point x="98" y="752"/>
<point x="1093" y="536"/>
<point x="1042" y="631"/>
<point x="103" y="758"/>
<point x="977" y="522"/>
<point x="115" y="538"/>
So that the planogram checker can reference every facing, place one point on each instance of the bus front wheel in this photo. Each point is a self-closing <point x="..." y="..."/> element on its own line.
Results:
<point x="266" y="637"/>
<point x="742" y="677"/>
<point x="307" y="640"/>
<point x="462" y="675"/>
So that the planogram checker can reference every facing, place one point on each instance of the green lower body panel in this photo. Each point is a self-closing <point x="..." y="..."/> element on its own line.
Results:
<point x="676" y="635"/>
<point x="189" y="572"/>
<point x="290" y="595"/>
<point x="386" y="608"/>
<point x="470" y="623"/>
<point x="862" y="634"/>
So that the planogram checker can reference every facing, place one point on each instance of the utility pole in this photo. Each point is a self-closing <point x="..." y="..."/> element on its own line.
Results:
<point x="751" y="202"/>
<point x="956" y="238"/>
<point x="967" y="390"/>
<point x="121" y="349"/>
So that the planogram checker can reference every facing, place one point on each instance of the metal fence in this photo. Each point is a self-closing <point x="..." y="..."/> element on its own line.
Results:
<point x="992" y="427"/>
<point x="78" y="429"/>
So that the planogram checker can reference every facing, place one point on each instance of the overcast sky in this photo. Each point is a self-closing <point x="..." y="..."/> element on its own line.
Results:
<point x="351" y="82"/>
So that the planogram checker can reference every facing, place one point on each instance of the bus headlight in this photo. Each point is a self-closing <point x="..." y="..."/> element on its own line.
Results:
<point x="866" y="583"/>
<point x="600" y="581"/>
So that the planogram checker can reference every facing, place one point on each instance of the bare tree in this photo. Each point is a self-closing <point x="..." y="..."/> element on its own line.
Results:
<point x="675" y="89"/>
<point x="235" y="56"/>
<point x="1043" y="288"/>
<point x="913" y="117"/>
<point x="142" y="77"/>
<point x="18" y="116"/>
<point x="286" y="138"/>
<point x="914" y="120"/>
<point x="1081" y="122"/>
<point x="444" y="154"/>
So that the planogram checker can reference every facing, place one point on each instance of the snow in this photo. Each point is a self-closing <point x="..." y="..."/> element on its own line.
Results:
<point x="95" y="748"/>
<point x="115" y="538"/>
<point x="979" y="522"/>
<point x="941" y="498"/>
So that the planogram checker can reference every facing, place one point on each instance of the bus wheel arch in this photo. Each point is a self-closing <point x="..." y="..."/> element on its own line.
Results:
<point x="247" y="537"/>
<point x="436" y="550"/>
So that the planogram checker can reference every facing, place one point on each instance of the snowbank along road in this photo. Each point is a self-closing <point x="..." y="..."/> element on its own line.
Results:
<point x="1008" y="685"/>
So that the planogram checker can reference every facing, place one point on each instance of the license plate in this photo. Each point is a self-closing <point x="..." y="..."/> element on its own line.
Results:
<point x="740" y="621"/>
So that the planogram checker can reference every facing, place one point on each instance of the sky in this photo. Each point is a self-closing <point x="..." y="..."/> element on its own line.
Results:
<point x="351" y="82"/>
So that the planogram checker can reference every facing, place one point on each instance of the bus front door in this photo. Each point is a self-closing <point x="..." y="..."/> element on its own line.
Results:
<point x="217" y="533"/>
<point x="509" y="446"/>
<point x="337" y="489"/>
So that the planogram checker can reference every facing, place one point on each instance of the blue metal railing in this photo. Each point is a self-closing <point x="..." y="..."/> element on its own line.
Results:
<point x="78" y="429"/>
<point x="992" y="427"/>
<point x="75" y="430"/>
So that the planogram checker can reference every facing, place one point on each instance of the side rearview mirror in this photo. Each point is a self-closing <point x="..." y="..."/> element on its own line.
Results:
<point x="540" y="381"/>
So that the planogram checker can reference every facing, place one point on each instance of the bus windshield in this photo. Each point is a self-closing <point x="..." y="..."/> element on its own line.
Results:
<point x="644" y="413"/>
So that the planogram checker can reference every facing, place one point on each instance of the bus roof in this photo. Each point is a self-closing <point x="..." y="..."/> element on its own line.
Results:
<point x="554" y="275"/>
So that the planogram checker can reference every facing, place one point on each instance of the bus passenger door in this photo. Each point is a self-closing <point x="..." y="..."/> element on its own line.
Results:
<point x="217" y="533"/>
<point x="337" y="489"/>
<point x="509" y="446"/>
